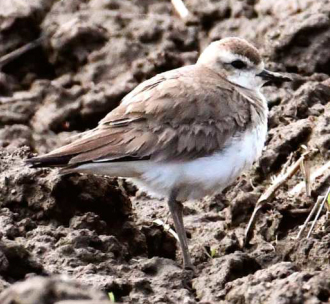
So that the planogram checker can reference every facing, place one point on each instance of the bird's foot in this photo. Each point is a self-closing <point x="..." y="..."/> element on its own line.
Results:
<point x="188" y="273"/>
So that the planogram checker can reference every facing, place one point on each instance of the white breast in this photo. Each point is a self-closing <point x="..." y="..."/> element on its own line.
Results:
<point x="207" y="175"/>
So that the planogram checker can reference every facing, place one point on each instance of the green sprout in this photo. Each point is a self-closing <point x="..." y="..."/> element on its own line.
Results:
<point x="213" y="252"/>
<point x="111" y="297"/>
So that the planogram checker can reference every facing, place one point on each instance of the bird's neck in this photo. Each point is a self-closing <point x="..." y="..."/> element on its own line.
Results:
<point x="258" y="103"/>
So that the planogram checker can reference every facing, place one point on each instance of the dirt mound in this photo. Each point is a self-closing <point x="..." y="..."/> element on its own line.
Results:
<point x="100" y="231"/>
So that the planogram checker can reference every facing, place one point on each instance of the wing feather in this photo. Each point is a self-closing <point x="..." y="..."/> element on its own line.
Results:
<point x="178" y="115"/>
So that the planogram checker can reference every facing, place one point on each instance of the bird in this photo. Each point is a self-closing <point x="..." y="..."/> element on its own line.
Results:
<point x="183" y="134"/>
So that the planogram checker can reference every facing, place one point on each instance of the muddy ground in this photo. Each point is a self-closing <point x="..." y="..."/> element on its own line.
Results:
<point x="88" y="238"/>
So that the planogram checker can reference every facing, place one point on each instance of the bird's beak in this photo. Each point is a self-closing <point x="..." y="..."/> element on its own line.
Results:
<point x="273" y="76"/>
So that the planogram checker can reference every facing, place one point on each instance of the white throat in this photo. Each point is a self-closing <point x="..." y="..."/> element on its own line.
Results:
<point x="246" y="79"/>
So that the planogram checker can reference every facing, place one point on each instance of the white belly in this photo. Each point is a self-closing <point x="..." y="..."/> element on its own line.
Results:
<point x="194" y="179"/>
<point x="204" y="176"/>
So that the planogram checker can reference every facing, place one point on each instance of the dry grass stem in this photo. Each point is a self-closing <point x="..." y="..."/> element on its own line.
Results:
<point x="281" y="179"/>
<point x="180" y="8"/>
<point x="306" y="170"/>
<point x="298" y="188"/>
<point x="318" y="212"/>
<point x="286" y="173"/>
<point x="319" y="199"/>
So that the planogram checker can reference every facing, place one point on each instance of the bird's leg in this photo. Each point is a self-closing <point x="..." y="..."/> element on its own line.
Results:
<point x="176" y="209"/>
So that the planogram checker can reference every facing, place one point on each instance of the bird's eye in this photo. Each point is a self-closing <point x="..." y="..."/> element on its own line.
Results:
<point x="238" y="64"/>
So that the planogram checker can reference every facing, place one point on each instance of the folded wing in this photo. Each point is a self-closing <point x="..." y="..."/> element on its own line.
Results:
<point x="178" y="115"/>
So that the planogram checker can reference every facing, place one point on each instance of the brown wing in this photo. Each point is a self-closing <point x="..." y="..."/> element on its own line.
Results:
<point x="178" y="115"/>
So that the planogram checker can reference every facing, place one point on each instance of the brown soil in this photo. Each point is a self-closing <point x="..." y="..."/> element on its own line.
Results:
<point x="81" y="237"/>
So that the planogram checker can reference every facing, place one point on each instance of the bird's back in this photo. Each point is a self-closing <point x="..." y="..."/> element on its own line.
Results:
<point x="182" y="114"/>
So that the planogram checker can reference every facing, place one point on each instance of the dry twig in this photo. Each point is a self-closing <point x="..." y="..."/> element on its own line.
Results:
<point x="16" y="53"/>
<point x="167" y="228"/>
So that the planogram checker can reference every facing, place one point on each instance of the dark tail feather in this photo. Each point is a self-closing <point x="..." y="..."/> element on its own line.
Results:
<point x="49" y="161"/>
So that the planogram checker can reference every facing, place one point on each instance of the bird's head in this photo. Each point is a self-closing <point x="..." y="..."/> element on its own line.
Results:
<point x="239" y="62"/>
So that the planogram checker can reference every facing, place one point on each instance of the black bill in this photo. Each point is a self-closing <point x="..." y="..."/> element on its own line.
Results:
<point x="273" y="76"/>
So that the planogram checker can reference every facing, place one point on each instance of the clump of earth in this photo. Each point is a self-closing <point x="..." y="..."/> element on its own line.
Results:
<point x="94" y="239"/>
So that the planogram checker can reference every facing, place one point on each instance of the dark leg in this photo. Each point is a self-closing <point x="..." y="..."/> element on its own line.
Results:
<point x="176" y="212"/>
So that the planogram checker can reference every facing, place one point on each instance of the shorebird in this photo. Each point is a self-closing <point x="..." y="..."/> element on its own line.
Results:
<point x="183" y="134"/>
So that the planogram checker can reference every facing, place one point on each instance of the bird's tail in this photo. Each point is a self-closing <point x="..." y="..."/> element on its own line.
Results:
<point x="49" y="161"/>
